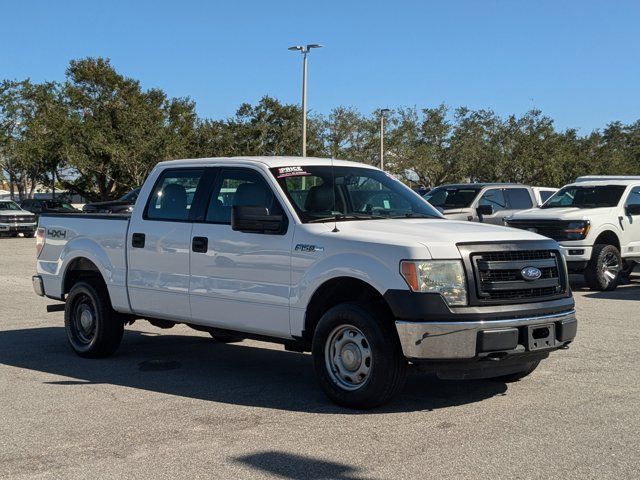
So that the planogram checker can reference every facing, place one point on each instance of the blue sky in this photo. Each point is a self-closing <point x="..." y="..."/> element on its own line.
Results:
<point x="578" y="61"/>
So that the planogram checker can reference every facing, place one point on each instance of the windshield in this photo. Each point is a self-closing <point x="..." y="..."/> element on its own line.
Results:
<point x="357" y="194"/>
<point x="131" y="197"/>
<point x="446" y="197"/>
<point x="8" y="205"/>
<point x="57" y="204"/>
<point x="586" y="196"/>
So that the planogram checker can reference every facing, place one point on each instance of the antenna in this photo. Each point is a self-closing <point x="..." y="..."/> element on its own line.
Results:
<point x="333" y="194"/>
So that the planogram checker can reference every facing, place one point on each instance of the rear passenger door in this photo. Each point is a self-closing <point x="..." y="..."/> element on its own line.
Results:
<point x="240" y="280"/>
<point x="159" y="243"/>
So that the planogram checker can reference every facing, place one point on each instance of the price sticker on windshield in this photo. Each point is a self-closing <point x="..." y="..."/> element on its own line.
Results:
<point x="292" y="172"/>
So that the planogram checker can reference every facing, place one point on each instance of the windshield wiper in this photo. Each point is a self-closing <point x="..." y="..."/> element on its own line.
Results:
<point x="413" y="215"/>
<point x="342" y="216"/>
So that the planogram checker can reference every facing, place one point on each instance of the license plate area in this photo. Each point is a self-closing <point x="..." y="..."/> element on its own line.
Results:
<point x="541" y="336"/>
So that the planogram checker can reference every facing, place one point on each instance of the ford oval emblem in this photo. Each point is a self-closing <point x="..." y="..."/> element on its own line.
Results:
<point x="531" y="273"/>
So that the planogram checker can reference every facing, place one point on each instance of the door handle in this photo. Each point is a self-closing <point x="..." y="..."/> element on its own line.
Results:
<point x="200" y="244"/>
<point x="137" y="240"/>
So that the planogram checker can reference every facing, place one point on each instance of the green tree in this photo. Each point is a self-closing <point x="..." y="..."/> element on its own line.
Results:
<point x="116" y="132"/>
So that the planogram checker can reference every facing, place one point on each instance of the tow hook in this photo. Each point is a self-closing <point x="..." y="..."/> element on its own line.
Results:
<point x="496" y="356"/>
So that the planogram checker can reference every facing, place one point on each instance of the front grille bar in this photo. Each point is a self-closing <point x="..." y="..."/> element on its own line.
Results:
<point x="495" y="272"/>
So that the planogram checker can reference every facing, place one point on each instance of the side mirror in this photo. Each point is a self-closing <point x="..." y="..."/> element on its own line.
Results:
<point x="484" y="210"/>
<point x="256" y="219"/>
<point x="632" y="210"/>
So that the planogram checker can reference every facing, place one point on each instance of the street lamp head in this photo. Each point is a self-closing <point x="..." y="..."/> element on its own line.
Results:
<point x="384" y="110"/>
<point x="313" y="45"/>
<point x="296" y="47"/>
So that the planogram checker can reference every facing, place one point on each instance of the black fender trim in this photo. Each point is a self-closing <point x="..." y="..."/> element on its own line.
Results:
<point x="431" y="307"/>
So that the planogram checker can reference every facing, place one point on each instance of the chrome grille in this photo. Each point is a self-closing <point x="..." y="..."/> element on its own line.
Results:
<point x="499" y="277"/>
<point x="17" y="219"/>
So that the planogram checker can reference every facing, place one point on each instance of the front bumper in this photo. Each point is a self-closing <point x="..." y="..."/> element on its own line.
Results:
<point x="18" y="227"/>
<point x="576" y="252"/>
<point x="471" y="339"/>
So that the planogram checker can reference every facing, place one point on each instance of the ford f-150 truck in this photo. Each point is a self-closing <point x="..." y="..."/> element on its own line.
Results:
<point x="596" y="221"/>
<point x="328" y="256"/>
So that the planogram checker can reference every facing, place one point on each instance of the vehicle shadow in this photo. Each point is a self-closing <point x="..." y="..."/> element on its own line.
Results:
<point x="287" y="465"/>
<point x="628" y="291"/>
<point x="196" y="367"/>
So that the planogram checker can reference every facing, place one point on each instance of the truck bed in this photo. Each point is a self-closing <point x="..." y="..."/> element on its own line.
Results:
<point x="101" y="238"/>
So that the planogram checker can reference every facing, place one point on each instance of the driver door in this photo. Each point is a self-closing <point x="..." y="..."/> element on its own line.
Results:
<point x="632" y="226"/>
<point x="240" y="280"/>
<point x="495" y="198"/>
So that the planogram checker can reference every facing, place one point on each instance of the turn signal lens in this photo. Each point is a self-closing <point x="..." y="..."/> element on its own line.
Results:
<point x="40" y="238"/>
<point x="410" y="274"/>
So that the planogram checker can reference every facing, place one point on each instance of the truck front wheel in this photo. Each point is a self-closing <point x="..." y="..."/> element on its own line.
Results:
<point x="604" y="268"/>
<point x="93" y="328"/>
<point x="357" y="357"/>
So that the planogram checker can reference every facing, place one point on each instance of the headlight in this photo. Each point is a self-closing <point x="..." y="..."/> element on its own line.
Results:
<point x="445" y="277"/>
<point x="577" y="230"/>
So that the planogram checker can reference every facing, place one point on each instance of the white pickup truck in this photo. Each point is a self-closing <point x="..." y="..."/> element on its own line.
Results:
<point x="596" y="220"/>
<point x="332" y="257"/>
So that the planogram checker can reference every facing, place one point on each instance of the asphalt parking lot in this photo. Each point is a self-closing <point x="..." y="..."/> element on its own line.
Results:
<point x="173" y="404"/>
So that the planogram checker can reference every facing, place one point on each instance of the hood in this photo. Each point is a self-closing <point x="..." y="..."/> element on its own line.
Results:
<point x="439" y="236"/>
<point x="568" y="213"/>
<point x="16" y="213"/>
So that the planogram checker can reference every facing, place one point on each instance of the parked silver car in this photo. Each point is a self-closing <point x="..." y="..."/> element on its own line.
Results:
<point x="483" y="202"/>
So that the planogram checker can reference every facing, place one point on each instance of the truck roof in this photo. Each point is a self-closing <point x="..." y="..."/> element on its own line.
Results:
<point x="481" y="185"/>
<point x="270" y="162"/>
<point x="607" y="180"/>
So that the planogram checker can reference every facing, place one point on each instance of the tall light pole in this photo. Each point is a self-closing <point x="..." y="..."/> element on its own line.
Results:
<point x="305" y="51"/>
<point x="382" y="112"/>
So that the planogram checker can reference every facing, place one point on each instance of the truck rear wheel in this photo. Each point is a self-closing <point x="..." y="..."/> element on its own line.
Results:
<point x="603" y="269"/>
<point x="93" y="328"/>
<point x="357" y="357"/>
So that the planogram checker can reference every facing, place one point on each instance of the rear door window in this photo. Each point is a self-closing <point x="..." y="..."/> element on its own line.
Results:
<point x="172" y="196"/>
<point x="519" y="198"/>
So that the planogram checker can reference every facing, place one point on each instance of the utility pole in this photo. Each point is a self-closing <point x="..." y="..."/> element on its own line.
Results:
<point x="305" y="51"/>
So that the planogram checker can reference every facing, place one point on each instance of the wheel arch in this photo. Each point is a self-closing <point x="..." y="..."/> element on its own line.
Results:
<point x="608" y="237"/>
<point x="80" y="268"/>
<point x="340" y="290"/>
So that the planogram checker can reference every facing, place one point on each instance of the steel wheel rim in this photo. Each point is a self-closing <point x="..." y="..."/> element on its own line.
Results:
<point x="84" y="320"/>
<point x="348" y="357"/>
<point x="610" y="267"/>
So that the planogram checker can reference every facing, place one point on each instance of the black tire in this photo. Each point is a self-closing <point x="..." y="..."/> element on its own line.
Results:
<point x="100" y="334"/>
<point x="30" y="235"/>
<point x="597" y="275"/>
<point x="222" y="337"/>
<point x="514" y="377"/>
<point x="387" y="365"/>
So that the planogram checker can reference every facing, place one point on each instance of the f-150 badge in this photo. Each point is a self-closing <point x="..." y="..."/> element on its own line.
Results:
<point x="302" y="247"/>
